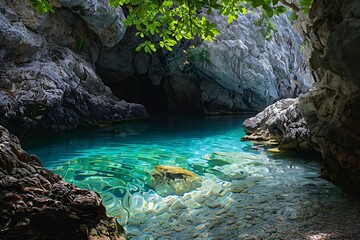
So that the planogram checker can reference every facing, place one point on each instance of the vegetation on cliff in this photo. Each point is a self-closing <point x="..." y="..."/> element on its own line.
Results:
<point x="163" y="23"/>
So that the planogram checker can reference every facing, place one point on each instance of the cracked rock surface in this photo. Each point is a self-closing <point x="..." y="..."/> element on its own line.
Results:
<point x="282" y="122"/>
<point x="329" y="112"/>
<point x="37" y="204"/>
<point x="331" y="109"/>
<point x="47" y="74"/>
<point x="244" y="69"/>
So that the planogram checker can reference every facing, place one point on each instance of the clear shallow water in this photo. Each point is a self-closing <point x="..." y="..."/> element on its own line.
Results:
<point x="243" y="192"/>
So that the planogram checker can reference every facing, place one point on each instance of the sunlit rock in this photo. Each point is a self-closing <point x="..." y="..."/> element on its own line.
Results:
<point x="280" y="122"/>
<point x="243" y="69"/>
<point x="168" y="180"/>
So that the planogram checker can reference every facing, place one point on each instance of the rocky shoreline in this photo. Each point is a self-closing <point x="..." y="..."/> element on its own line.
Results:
<point x="37" y="204"/>
<point x="326" y="117"/>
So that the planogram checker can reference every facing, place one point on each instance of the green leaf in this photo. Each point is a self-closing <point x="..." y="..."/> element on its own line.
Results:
<point x="168" y="48"/>
<point x="280" y="10"/>
<point x="152" y="47"/>
<point x="230" y="19"/>
<point x="114" y="3"/>
<point x="147" y="49"/>
<point x="242" y="10"/>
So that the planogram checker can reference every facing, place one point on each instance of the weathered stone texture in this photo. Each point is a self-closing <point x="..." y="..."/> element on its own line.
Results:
<point x="47" y="76"/>
<point x="102" y="19"/>
<point x="36" y="204"/>
<point x="251" y="68"/>
<point x="282" y="122"/>
<point x="331" y="109"/>
<point x="240" y="71"/>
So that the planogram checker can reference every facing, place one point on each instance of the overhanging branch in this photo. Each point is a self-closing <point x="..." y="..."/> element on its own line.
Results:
<point x="290" y="5"/>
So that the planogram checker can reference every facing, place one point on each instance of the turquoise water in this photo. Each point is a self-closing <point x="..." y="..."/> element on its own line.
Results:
<point x="264" y="191"/>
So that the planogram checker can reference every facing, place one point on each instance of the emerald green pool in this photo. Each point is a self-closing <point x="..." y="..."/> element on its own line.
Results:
<point x="244" y="191"/>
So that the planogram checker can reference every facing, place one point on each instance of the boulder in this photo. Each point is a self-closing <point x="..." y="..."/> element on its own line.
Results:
<point x="249" y="67"/>
<point x="329" y="112"/>
<point x="37" y="204"/>
<point x="282" y="122"/>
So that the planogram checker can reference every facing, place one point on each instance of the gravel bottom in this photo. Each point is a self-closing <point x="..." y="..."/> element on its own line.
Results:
<point x="260" y="199"/>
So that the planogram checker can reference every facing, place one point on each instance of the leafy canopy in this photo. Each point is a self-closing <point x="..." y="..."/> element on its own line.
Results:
<point x="163" y="23"/>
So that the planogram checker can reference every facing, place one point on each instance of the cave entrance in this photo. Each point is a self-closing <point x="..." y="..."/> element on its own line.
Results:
<point x="138" y="89"/>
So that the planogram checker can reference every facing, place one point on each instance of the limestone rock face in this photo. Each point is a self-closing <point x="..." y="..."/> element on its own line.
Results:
<point x="47" y="79"/>
<point x="102" y="19"/>
<point x="241" y="70"/>
<point x="282" y="122"/>
<point x="253" y="67"/>
<point x="36" y="204"/>
<point x="331" y="109"/>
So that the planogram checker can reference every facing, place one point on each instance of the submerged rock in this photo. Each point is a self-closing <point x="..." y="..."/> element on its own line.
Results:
<point x="37" y="204"/>
<point x="168" y="180"/>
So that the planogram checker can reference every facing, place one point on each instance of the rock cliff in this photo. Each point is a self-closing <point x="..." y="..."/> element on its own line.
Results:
<point x="249" y="67"/>
<point x="245" y="69"/>
<point x="47" y="75"/>
<point x="36" y="204"/>
<point x="330" y="110"/>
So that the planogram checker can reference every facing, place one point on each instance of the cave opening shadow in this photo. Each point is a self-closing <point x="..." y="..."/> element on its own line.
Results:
<point x="139" y="89"/>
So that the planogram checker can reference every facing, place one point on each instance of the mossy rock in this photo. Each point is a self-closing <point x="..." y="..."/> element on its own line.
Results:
<point x="167" y="180"/>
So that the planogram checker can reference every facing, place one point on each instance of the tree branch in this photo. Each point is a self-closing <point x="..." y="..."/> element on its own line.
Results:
<point x="290" y="5"/>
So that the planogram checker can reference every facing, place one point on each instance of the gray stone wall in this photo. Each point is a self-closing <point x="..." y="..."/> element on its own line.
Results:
<point x="331" y="109"/>
<point x="47" y="73"/>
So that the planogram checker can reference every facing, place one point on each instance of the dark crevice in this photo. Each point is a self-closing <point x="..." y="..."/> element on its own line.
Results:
<point x="138" y="89"/>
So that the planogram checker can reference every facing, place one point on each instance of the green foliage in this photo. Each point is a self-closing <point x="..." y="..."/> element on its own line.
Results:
<point x="42" y="6"/>
<point x="163" y="23"/>
<point x="305" y="5"/>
